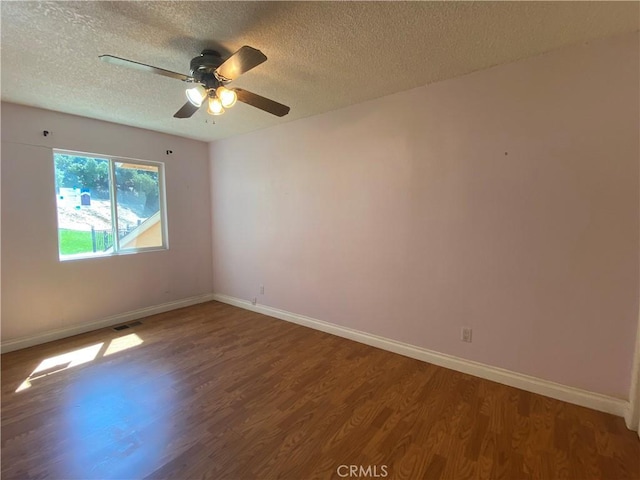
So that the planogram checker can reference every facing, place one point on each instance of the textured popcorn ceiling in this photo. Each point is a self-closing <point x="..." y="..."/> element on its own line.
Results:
<point x="322" y="55"/>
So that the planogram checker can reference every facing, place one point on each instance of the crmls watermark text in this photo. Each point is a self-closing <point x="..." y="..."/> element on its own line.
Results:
<point x="361" y="471"/>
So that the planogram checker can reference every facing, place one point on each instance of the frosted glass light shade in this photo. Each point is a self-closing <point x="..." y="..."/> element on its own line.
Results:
<point x="215" y="106"/>
<point x="196" y="95"/>
<point x="227" y="97"/>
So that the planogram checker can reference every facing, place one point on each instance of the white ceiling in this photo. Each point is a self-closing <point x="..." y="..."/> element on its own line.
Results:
<point x="322" y="55"/>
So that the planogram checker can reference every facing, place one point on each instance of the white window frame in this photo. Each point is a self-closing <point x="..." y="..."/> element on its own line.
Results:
<point x="113" y="194"/>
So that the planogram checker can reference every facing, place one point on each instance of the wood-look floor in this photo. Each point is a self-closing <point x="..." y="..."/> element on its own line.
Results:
<point x="218" y="392"/>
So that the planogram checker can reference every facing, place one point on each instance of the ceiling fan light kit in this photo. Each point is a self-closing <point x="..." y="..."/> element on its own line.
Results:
<point x="211" y="74"/>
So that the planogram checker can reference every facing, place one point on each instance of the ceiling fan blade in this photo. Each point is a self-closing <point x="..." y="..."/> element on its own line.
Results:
<point x="240" y="62"/>
<point x="186" y="111"/>
<point x="261" y="102"/>
<point x="123" y="62"/>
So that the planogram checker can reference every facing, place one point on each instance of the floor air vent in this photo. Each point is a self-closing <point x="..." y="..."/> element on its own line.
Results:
<point x="128" y="325"/>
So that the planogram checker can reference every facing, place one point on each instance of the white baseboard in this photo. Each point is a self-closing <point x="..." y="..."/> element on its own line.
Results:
<point x="632" y="416"/>
<point x="565" y="393"/>
<point x="24" y="342"/>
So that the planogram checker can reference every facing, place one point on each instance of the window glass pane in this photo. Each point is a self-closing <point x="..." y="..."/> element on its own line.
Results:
<point x="84" y="205"/>
<point x="138" y="205"/>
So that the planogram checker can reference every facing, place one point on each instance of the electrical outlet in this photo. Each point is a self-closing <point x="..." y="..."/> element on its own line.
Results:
<point x="261" y="289"/>
<point x="466" y="334"/>
<point x="254" y="300"/>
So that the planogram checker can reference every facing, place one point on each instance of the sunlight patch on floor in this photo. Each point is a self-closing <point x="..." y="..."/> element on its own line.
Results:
<point x="58" y="363"/>
<point x="123" y="343"/>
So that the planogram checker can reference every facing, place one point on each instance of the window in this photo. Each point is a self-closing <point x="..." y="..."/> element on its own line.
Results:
<point x="108" y="205"/>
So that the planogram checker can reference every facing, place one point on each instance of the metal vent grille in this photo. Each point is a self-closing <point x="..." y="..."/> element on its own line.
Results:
<point x="128" y="325"/>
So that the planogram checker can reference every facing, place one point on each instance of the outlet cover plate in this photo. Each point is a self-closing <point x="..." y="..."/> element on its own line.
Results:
<point x="466" y="334"/>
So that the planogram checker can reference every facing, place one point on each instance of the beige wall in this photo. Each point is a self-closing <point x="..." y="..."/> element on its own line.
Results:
<point x="40" y="293"/>
<point x="505" y="200"/>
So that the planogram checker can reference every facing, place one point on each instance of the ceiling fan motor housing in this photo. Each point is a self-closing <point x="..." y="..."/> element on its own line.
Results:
<point x="203" y="68"/>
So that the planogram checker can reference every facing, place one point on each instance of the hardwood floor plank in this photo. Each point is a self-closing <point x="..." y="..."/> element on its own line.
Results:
<point x="213" y="391"/>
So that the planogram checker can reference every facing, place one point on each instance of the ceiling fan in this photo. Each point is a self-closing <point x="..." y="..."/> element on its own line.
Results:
<point x="211" y="73"/>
